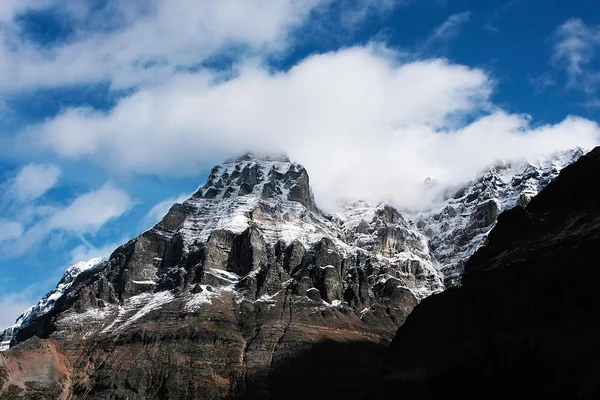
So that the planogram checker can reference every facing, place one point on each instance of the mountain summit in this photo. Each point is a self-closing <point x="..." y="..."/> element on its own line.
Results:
<point x="219" y="296"/>
<point x="248" y="288"/>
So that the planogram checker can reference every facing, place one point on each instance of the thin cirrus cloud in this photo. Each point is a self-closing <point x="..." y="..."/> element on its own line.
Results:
<point x="12" y="305"/>
<point x="86" y="251"/>
<point x="362" y="120"/>
<point x="33" y="181"/>
<point x="84" y="215"/>
<point x="88" y="212"/>
<point x="147" y="41"/>
<point x="575" y="48"/>
<point x="446" y="31"/>
<point x="450" y="28"/>
<point x="10" y="230"/>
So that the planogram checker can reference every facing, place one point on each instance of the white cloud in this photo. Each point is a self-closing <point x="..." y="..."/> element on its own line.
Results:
<point x="361" y="120"/>
<point x="134" y="42"/>
<point x="88" y="212"/>
<point x="33" y="180"/>
<point x="576" y="45"/>
<point x="10" y="230"/>
<point x="543" y="82"/>
<point x="10" y="8"/>
<point x="85" y="215"/>
<point x="491" y="28"/>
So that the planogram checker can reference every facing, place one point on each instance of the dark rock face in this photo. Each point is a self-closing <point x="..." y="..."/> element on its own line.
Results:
<point x="244" y="290"/>
<point x="526" y="319"/>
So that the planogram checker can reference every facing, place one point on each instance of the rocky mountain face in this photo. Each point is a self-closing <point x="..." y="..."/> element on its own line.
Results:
<point x="526" y="318"/>
<point x="47" y="302"/>
<point x="245" y="290"/>
<point x="458" y="225"/>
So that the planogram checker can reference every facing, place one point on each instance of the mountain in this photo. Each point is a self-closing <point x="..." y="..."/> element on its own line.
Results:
<point x="459" y="224"/>
<point x="526" y="318"/>
<point x="246" y="289"/>
<point x="47" y="302"/>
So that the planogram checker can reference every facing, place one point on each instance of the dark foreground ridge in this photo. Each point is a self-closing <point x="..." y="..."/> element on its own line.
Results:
<point x="526" y="320"/>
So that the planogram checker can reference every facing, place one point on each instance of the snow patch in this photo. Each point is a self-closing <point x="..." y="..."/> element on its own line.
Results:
<point x="205" y="297"/>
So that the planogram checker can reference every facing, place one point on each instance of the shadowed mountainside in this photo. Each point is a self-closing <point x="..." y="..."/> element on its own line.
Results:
<point x="526" y="320"/>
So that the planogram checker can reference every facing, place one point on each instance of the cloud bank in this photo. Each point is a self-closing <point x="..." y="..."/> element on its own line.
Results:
<point x="129" y="43"/>
<point x="362" y="120"/>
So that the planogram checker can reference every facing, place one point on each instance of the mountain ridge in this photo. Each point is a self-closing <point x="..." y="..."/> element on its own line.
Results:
<point x="248" y="269"/>
<point x="525" y="320"/>
<point x="252" y="251"/>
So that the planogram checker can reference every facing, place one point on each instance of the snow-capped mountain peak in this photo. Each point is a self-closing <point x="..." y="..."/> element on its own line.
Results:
<point x="254" y="234"/>
<point x="458" y="225"/>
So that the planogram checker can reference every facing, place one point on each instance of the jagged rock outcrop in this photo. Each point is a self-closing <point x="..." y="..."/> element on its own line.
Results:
<point x="525" y="321"/>
<point x="459" y="225"/>
<point x="230" y="295"/>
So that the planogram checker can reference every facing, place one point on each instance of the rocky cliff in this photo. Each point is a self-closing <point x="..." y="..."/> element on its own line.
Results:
<point x="245" y="290"/>
<point x="526" y="319"/>
<point x="459" y="224"/>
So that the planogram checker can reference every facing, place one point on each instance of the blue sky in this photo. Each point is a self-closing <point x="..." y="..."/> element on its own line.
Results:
<point x="114" y="109"/>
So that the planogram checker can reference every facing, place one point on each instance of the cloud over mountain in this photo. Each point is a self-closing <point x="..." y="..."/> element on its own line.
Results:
<point x="361" y="119"/>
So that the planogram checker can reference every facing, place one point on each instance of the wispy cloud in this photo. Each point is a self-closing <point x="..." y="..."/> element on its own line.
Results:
<point x="575" y="48"/>
<point x="543" y="82"/>
<point x="446" y="32"/>
<point x="451" y="27"/>
<point x="133" y="43"/>
<point x="354" y="11"/>
<point x="10" y="230"/>
<point x="13" y="303"/>
<point x="497" y="15"/>
<point x="33" y="180"/>
<point x="88" y="212"/>
<point x="84" y="215"/>
<point x="87" y="251"/>
<point x="491" y="28"/>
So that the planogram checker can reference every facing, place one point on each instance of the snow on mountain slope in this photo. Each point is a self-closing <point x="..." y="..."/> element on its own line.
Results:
<point x="459" y="225"/>
<point x="382" y="229"/>
<point x="255" y="233"/>
<point x="259" y="211"/>
<point x="271" y="194"/>
<point x="48" y="301"/>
